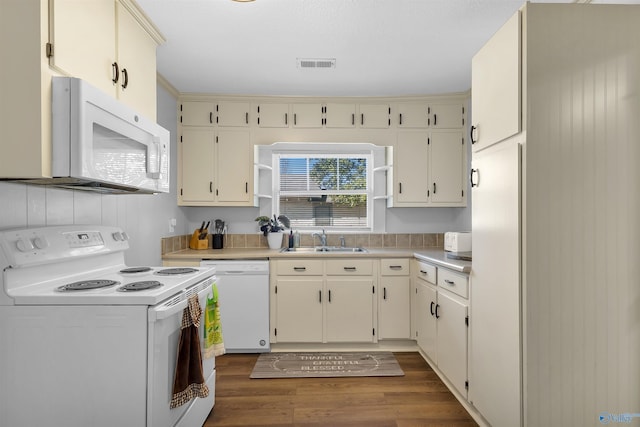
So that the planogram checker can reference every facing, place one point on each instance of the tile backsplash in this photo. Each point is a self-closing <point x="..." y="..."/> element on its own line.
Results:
<point x="367" y="240"/>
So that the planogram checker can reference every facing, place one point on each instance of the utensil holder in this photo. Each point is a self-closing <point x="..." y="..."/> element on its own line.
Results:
<point x="218" y="241"/>
<point x="197" y="243"/>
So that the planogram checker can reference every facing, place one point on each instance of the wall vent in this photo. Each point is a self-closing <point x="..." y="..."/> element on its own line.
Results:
<point x="316" y="62"/>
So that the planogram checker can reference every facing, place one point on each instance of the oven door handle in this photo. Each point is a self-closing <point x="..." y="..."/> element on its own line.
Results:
<point x="178" y="303"/>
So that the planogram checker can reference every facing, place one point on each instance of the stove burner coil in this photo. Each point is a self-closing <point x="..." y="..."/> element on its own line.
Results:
<point x="140" y="286"/>
<point x="84" y="285"/>
<point x="175" y="271"/>
<point x="135" y="270"/>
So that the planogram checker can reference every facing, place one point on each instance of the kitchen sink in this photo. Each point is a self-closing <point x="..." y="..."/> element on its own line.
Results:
<point x="326" y="249"/>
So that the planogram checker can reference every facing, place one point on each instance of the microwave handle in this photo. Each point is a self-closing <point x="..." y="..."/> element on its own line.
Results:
<point x="154" y="163"/>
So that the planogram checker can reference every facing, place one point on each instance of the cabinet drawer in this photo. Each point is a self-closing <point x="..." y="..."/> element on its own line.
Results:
<point x="426" y="272"/>
<point x="352" y="267"/>
<point x="454" y="282"/>
<point x="300" y="267"/>
<point x="394" y="267"/>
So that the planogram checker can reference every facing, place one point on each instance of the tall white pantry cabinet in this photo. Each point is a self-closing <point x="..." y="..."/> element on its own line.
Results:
<point x="555" y="298"/>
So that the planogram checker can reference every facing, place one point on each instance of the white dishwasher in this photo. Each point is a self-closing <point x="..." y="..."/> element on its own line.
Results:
<point x="243" y="295"/>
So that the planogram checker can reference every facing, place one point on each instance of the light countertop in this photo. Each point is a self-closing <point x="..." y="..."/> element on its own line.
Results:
<point x="435" y="256"/>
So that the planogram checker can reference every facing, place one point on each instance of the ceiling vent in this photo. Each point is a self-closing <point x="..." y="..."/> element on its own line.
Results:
<point x="316" y="63"/>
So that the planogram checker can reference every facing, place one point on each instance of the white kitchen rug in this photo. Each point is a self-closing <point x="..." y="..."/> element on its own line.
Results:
<point x="335" y="364"/>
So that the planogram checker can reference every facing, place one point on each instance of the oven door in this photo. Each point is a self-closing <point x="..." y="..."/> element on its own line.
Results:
<point x="164" y="334"/>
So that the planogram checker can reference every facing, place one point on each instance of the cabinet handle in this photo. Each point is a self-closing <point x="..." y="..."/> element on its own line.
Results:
<point x="431" y="308"/>
<point x="246" y="118"/>
<point x="384" y="293"/>
<point x="116" y="72"/>
<point x="300" y="268"/>
<point x="477" y="173"/>
<point x="350" y="268"/>
<point x="424" y="273"/>
<point x="473" y="133"/>
<point x="395" y="267"/>
<point x="246" y="187"/>
<point x="400" y="119"/>
<point x="434" y="188"/>
<point x="435" y="119"/>
<point x="449" y="282"/>
<point x="210" y="186"/>
<point x="437" y="307"/>
<point x="125" y="75"/>
<point x="295" y="119"/>
<point x="329" y="295"/>
<point x="353" y="119"/>
<point x="361" y="119"/>
<point x="320" y="297"/>
<point x="286" y="119"/>
<point x="210" y="117"/>
<point x="400" y="187"/>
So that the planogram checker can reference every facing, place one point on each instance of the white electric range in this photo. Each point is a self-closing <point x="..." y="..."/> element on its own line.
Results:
<point x="86" y="340"/>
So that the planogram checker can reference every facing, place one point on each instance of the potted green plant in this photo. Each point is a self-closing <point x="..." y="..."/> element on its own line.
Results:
<point x="272" y="229"/>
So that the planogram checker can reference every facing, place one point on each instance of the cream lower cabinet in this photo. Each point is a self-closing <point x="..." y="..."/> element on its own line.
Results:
<point x="441" y="321"/>
<point x="394" y="303"/>
<point x="323" y="301"/>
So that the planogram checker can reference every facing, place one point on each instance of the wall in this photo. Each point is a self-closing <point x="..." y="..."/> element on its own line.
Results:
<point x="144" y="217"/>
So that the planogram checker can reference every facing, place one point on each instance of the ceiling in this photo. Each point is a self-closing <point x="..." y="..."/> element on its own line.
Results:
<point x="380" y="47"/>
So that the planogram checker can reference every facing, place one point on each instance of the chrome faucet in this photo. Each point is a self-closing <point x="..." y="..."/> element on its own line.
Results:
<point x="323" y="238"/>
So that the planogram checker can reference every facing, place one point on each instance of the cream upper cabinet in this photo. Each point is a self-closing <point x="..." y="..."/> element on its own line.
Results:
<point x="196" y="153"/>
<point x="83" y="40"/>
<point x="205" y="177"/>
<point x="446" y="116"/>
<point x="197" y="113"/>
<point x="495" y="87"/>
<point x="307" y="115"/>
<point x="105" y="43"/>
<point x="374" y="116"/>
<point x="340" y="115"/>
<point x="412" y="115"/>
<point x="273" y="115"/>
<point x="411" y="169"/>
<point x="233" y="114"/>
<point x="447" y="169"/>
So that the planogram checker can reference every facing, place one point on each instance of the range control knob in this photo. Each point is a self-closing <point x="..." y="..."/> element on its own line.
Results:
<point x="24" y="245"/>
<point x="125" y="236"/>
<point x="41" y="242"/>
<point x="117" y="236"/>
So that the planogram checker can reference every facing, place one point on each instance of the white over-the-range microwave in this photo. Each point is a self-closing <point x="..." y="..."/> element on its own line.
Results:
<point x="100" y="144"/>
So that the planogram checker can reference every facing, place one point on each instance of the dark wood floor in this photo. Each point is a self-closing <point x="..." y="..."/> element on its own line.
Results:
<point x="418" y="398"/>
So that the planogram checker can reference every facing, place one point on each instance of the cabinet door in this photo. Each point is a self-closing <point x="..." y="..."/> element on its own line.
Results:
<point x="83" y="35"/>
<point x="234" y="166"/>
<point x="235" y="114"/>
<point x="196" y="160"/>
<point x="394" y="310"/>
<point x="495" y="293"/>
<point x="411" y="168"/>
<point x="196" y="113"/>
<point x="340" y="115"/>
<point x="273" y="115"/>
<point x="307" y="115"/>
<point x="495" y="87"/>
<point x="136" y="52"/>
<point x="446" y="116"/>
<point x="425" y="319"/>
<point x="413" y="115"/>
<point x="299" y="310"/>
<point x="452" y="340"/>
<point x="374" y="116"/>
<point x="447" y="165"/>
<point x="349" y="309"/>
